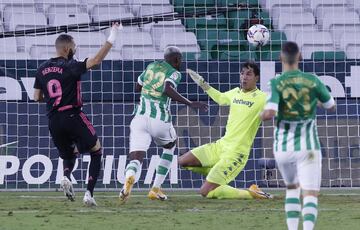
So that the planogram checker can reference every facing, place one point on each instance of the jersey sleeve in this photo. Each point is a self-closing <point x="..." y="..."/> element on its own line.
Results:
<point x="140" y="79"/>
<point x="324" y="96"/>
<point x="79" y="67"/>
<point x="219" y="97"/>
<point x="273" y="98"/>
<point x="174" y="78"/>
<point x="37" y="84"/>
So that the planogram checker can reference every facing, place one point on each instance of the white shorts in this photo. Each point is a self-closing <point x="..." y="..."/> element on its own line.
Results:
<point x="302" y="167"/>
<point x="143" y="129"/>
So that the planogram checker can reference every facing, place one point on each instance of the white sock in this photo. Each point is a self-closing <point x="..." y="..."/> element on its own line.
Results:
<point x="132" y="168"/>
<point x="164" y="165"/>
<point x="292" y="208"/>
<point x="309" y="212"/>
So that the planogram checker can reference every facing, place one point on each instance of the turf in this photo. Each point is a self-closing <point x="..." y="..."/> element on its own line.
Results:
<point x="183" y="210"/>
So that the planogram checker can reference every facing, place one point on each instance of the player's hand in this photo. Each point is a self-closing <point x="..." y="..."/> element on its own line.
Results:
<point x="199" y="105"/>
<point x="198" y="79"/>
<point x="115" y="28"/>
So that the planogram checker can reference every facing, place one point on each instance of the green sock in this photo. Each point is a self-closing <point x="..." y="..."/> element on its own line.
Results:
<point x="201" y="170"/>
<point x="228" y="192"/>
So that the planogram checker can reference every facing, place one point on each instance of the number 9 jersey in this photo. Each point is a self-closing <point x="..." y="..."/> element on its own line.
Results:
<point x="60" y="81"/>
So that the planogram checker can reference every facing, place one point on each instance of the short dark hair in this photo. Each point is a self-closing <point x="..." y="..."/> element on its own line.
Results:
<point x="63" y="39"/>
<point x="289" y="51"/>
<point x="253" y="65"/>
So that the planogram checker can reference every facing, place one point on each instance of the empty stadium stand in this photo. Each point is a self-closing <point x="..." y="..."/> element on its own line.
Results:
<point x="324" y="29"/>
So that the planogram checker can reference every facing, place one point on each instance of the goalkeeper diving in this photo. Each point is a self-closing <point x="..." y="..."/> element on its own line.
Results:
<point x="223" y="160"/>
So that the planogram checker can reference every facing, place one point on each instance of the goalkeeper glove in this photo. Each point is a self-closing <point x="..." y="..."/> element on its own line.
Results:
<point x="113" y="32"/>
<point x="199" y="80"/>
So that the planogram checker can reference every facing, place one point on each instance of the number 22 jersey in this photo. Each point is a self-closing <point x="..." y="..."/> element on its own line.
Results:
<point x="60" y="81"/>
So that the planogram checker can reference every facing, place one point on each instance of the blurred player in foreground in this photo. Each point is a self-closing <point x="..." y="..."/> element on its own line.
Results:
<point x="152" y="120"/>
<point x="294" y="96"/>
<point x="224" y="159"/>
<point x="58" y="82"/>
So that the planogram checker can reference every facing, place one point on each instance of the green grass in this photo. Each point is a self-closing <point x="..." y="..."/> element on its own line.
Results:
<point x="183" y="210"/>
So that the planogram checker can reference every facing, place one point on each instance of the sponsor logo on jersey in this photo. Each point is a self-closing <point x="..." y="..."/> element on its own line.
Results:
<point x="243" y="102"/>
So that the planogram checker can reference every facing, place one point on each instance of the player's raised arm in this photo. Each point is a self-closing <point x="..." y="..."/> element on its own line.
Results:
<point x="272" y="104"/>
<point x="216" y="95"/>
<point x="104" y="50"/>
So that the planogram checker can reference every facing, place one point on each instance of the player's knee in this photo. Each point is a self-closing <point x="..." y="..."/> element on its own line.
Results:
<point x="204" y="192"/>
<point x="170" y="145"/>
<point x="137" y="155"/>
<point x="96" y="147"/>
<point x="310" y="193"/>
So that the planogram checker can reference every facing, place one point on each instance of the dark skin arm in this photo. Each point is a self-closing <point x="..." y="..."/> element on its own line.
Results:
<point x="174" y="95"/>
<point x="138" y="87"/>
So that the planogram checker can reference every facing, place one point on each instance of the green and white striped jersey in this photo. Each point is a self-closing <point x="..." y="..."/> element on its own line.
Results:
<point x="153" y="102"/>
<point x="294" y="95"/>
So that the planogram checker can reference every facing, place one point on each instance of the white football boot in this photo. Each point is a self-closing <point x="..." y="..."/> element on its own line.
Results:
<point x="68" y="189"/>
<point x="89" y="200"/>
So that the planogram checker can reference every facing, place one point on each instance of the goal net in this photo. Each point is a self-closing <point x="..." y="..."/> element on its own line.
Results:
<point x="212" y="37"/>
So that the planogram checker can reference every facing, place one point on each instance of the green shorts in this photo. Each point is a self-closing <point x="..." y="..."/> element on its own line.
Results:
<point x="224" y="166"/>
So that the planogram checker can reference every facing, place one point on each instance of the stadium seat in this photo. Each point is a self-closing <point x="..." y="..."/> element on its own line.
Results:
<point x="185" y="41"/>
<point x="67" y="19"/>
<point x="350" y="43"/>
<point x="8" y="45"/>
<point x="207" y="39"/>
<point x="235" y="55"/>
<point x="278" y="5"/>
<point x="99" y="12"/>
<point x="46" y="42"/>
<point x="136" y="39"/>
<point x="271" y="52"/>
<point x="237" y="19"/>
<point x="314" y="41"/>
<point x="321" y="6"/>
<point x="340" y="23"/>
<point x="217" y="22"/>
<point x="277" y="11"/>
<point x="18" y="21"/>
<point x="323" y="55"/>
<point x="141" y="53"/>
<point x="250" y="3"/>
<point x="155" y="9"/>
<point x="167" y="27"/>
<point x="105" y="17"/>
<point x="292" y="24"/>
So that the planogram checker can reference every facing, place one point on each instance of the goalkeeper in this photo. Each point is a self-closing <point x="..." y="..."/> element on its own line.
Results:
<point x="223" y="160"/>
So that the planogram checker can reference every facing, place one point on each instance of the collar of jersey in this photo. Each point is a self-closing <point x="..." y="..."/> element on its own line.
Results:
<point x="293" y="71"/>
<point x="241" y="91"/>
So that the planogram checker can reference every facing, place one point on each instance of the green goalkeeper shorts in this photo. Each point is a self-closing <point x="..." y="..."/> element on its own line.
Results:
<point x="223" y="169"/>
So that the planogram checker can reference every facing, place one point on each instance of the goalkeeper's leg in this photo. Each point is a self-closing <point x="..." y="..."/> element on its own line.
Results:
<point x="221" y="174"/>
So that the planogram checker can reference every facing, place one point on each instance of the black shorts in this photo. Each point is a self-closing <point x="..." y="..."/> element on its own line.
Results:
<point x="69" y="129"/>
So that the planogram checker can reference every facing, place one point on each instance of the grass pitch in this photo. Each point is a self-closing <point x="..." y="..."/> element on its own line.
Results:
<point x="183" y="210"/>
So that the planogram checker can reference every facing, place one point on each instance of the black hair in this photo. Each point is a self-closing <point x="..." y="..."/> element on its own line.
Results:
<point x="252" y="65"/>
<point x="289" y="51"/>
<point x="173" y="56"/>
<point x="63" y="39"/>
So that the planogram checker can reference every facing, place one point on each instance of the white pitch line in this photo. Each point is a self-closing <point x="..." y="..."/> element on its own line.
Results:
<point x="125" y="210"/>
<point x="7" y="144"/>
<point x="175" y="195"/>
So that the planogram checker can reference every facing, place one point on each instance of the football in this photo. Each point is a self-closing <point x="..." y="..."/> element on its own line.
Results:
<point x="258" y="35"/>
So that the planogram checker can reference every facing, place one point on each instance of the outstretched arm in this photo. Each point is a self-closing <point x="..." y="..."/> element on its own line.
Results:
<point x="272" y="104"/>
<point x="216" y="95"/>
<point x="170" y="91"/>
<point x="104" y="50"/>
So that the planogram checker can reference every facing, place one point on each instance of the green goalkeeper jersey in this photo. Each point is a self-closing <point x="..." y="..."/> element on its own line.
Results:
<point x="153" y="102"/>
<point x="294" y="95"/>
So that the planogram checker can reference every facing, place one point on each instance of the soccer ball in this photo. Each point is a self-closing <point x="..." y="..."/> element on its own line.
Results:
<point x="258" y="35"/>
